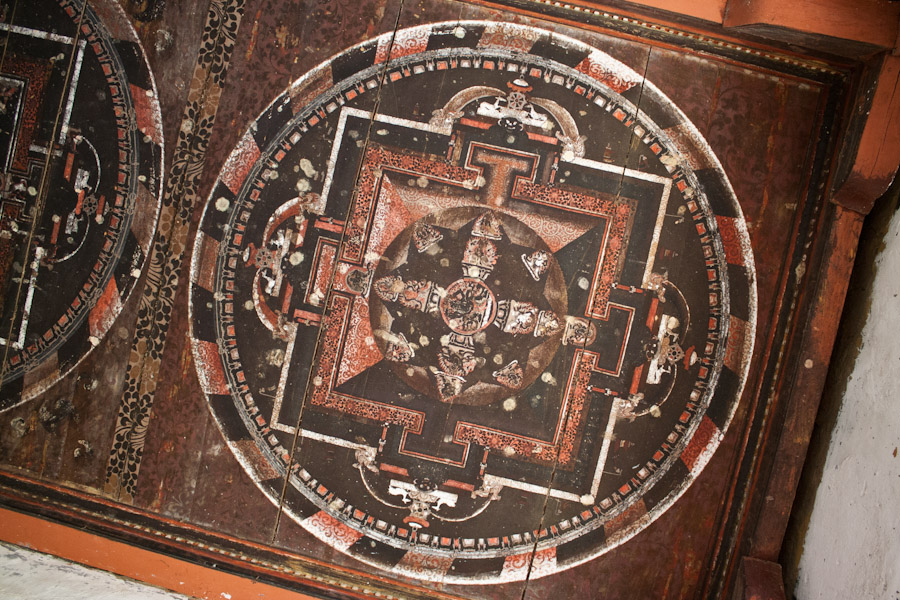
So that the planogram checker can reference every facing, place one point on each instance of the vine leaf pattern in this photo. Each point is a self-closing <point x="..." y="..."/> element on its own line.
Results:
<point x="167" y="256"/>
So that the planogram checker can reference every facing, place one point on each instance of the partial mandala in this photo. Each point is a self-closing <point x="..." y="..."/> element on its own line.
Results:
<point x="507" y="284"/>
<point x="81" y="146"/>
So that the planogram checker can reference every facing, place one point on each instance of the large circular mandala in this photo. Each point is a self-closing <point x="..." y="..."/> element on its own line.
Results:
<point x="503" y="321"/>
<point x="81" y="145"/>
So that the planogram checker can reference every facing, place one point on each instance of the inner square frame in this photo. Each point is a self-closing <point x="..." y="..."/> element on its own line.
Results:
<point x="322" y="92"/>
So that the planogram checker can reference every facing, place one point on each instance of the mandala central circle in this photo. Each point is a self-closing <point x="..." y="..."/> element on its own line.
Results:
<point x="468" y="306"/>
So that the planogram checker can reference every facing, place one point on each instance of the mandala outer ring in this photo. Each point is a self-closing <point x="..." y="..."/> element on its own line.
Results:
<point x="95" y="30"/>
<point x="690" y="146"/>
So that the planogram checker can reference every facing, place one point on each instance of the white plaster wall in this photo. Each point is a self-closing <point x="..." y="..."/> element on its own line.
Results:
<point x="852" y="547"/>
<point x="29" y="575"/>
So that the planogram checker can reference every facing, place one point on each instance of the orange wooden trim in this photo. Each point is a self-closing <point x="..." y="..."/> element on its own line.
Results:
<point x="879" y="148"/>
<point x="143" y="565"/>
<point x="868" y="21"/>
<point x="805" y="391"/>
<point x="288" y="567"/>
<point x="878" y="156"/>
<point x="874" y="22"/>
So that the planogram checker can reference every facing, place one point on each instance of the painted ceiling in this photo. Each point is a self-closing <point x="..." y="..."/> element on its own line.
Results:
<point x="454" y="298"/>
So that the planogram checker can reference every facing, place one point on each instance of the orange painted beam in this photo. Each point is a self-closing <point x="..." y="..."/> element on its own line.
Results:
<point x="129" y="561"/>
<point x="872" y="22"/>
<point x="878" y="156"/>
<point x="869" y="21"/>
<point x="879" y="148"/>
